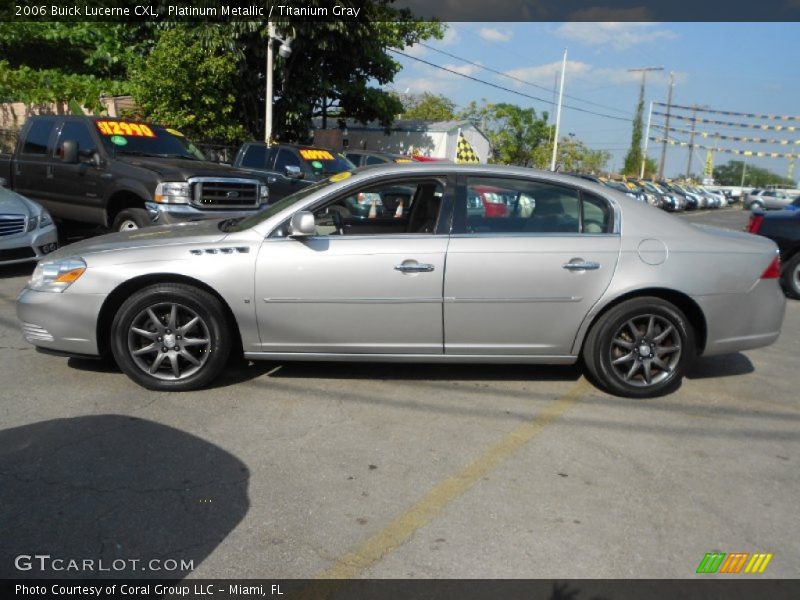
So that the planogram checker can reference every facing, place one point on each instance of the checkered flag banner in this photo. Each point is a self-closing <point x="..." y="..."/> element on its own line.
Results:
<point x="465" y="153"/>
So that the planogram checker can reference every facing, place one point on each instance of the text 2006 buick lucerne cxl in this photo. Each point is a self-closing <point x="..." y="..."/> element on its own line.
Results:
<point x="568" y="270"/>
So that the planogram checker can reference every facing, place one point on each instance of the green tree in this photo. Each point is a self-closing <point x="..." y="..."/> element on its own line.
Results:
<point x="203" y="103"/>
<point x="572" y="155"/>
<point x="731" y="174"/>
<point x="514" y="133"/>
<point x="633" y="159"/>
<point x="429" y="107"/>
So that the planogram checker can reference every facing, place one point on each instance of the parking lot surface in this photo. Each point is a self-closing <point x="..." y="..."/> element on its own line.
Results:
<point x="375" y="470"/>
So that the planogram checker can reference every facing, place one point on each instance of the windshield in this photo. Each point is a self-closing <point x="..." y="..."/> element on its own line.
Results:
<point x="323" y="162"/>
<point x="142" y="139"/>
<point x="243" y="223"/>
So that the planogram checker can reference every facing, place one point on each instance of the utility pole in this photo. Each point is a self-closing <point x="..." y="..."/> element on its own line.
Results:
<point x="666" y="127"/>
<point x="744" y="170"/>
<point x="558" y="110"/>
<point x="636" y="137"/>
<point x="691" y="138"/>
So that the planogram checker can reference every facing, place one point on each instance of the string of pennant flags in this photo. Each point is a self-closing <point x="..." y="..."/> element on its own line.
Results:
<point x="789" y="155"/>
<point x="731" y="113"/>
<point x="731" y="138"/>
<point x="729" y="124"/>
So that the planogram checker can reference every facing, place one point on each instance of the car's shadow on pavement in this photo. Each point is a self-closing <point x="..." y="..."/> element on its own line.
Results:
<point x="725" y="365"/>
<point x="114" y="488"/>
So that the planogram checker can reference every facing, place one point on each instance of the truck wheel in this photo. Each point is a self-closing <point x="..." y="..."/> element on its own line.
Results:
<point x="640" y="349"/>
<point x="171" y="337"/>
<point x="130" y="219"/>
<point x="791" y="277"/>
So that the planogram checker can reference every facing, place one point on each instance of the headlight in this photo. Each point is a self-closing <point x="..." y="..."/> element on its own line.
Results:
<point x="45" y="219"/>
<point x="263" y="194"/>
<point x="56" y="276"/>
<point x="172" y="192"/>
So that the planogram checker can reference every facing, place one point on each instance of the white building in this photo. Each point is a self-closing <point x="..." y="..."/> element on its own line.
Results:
<point x="436" y="139"/>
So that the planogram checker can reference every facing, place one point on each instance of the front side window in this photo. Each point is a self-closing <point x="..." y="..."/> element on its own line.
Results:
<point x="79" y="133"/>
<point x="406" y="207"/>
<point x="255" y="157"/>
<point x="505" y="205"/>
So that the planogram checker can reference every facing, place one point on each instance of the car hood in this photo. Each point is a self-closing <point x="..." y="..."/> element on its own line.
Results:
<point x="179" y="169"/>
<point x="148" y="237"/>
<point x="14" y="204"/>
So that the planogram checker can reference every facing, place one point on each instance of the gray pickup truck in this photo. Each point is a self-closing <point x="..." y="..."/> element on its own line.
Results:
<point x="124" y="174"/>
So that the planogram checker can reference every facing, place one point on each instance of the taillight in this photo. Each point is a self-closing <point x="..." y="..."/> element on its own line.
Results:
<point x="773" y="271"/>
<point x="755" y="223"/>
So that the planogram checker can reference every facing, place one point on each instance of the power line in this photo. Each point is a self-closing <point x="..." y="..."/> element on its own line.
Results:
<point x="518" y="79"/>
<point x="505" y="89"/>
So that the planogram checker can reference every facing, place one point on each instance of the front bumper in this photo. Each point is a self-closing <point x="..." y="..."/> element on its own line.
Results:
<point x="62" y="322"/>
<point x="26" y="247"/>
<point x="743" y="321"/>
<point x="168" y="214"/>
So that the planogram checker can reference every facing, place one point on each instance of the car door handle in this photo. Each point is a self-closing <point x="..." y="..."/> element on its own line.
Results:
<point x="49" y="171"/>
<point x="581" y="265"/>
<point x="414" y="268"/>
<point x="271" y="179"/>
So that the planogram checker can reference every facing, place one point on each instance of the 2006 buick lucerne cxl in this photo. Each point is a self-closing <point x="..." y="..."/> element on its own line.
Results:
<point x="569" y="270"/>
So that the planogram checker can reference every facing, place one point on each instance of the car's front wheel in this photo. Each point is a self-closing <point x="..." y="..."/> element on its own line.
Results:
<point x="171" y="337"/>
<point x="640" y="348"/>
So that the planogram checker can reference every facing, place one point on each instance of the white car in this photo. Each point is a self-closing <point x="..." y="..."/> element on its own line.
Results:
<point x="27" y="232"/>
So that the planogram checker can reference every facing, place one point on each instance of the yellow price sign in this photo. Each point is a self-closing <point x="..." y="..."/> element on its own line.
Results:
<point x="312" y="154"/>
<point x="339" y="176"/>
<point x="124" y="128"/>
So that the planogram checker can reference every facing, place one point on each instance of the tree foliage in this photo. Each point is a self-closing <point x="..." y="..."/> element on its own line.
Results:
<point x="572" y="156"/>
<point x="633" y="159"/>
<point x="429" y="107"/>
<point x="731" y="174"/>
<point x="514" y="133"/>
<point x="203" y="103"/>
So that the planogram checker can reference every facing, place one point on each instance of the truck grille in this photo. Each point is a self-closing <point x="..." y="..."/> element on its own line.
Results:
<point x="11" y="224"/>
<point x="223" y="194"/>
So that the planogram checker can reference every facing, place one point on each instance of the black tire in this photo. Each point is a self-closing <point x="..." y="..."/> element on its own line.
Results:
<point x="605" y="340"/>
<point x="131" y="219"/>
<point x="134" y="330"/>
<point x="790" y="277"/>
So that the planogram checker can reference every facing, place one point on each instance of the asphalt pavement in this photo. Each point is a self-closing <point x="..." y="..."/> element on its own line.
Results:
<point x="393" y="471"/>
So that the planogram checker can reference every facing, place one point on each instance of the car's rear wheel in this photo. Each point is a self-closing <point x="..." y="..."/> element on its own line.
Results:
<point x="790" y="278"/>
<point x="131" y="219"/>
<point x="640" y="348"/>
<point x="171" y="337"/>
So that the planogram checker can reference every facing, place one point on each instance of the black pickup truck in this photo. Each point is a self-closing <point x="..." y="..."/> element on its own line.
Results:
<point x="783" y="228"/>
<point x="124" y="174"/>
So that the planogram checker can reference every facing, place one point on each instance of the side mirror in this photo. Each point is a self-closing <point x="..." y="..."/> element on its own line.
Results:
<point x="293" y="172"/>
<point x="69" y="151"/>
<point x="302" y="224"/>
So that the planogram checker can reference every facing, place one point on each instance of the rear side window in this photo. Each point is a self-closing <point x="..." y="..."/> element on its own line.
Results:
<point x="375" y="160"/>
<point x="499" y="205"/>
<point x="38" y="136"/>
<point x="286" y="158"/>
<point x="255" y="157"/>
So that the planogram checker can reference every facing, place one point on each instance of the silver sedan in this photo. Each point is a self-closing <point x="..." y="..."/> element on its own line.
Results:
<point x="391" y="264"/>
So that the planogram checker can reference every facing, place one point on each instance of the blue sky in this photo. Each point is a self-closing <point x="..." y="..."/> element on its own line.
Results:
<point x="743" y="67"/>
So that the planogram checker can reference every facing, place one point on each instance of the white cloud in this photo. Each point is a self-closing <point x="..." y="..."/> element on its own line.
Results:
<point x="545" y="74"/>
<point x="463" y="69"/>
<point x="616" y="35"/>
<point x="491" y="34"/>
<point x="451" y="36"/>
<point x="581" y="72"/>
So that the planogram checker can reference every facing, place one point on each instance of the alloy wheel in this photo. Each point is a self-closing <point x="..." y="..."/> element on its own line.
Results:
<point x="645" y="350"/>
<point x="169" y="341"/>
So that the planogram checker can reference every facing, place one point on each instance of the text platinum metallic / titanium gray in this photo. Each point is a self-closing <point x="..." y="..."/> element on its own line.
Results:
<point x="634" y="291"/>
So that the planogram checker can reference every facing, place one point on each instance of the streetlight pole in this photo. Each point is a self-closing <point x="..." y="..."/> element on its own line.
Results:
<point x="268" y="101"/>
<point x="558" y="110"/>
<point x="666" y="127"/>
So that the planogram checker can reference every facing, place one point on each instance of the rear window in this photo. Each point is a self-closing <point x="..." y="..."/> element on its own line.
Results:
<point x="38" y="136"/>
<point x="255" y="157"/>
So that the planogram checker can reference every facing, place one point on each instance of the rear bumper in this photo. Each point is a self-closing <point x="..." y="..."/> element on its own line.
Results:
<point x="65" y="322"/>
<point x="743" y="321"/>
<point x="168" y="214"/>
<point x="28" y="247"/>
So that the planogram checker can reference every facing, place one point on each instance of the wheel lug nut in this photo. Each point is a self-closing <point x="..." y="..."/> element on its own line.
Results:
<point x="164" y="349"/>
<point x="168" y="331"/>
<point x="177" y="348"/>
<point x="178" y="337"/>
